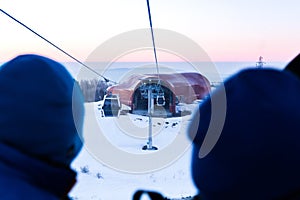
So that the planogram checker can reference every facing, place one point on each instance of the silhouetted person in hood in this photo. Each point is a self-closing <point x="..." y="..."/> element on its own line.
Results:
<point x="257" y="153"/>
<point x="41" y="119"/>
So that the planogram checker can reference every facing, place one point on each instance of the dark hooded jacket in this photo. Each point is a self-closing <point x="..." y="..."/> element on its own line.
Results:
<point x="41" y="119"/>
<point x="257" y="153"/>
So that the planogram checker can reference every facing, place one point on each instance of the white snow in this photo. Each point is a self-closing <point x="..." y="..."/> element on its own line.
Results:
<point x="112" y="164"/>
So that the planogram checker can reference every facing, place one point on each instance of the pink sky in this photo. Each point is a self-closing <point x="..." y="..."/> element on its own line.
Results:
<point x="227" y="31"/>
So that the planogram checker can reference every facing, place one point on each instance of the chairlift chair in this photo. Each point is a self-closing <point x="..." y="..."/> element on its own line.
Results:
<point x="160" y="98"/>
<point x="111" y="105"/>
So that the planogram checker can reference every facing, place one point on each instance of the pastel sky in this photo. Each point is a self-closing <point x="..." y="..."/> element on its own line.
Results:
<point x="231" y="30"/>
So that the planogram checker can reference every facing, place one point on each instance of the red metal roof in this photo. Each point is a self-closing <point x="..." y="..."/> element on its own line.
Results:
<point x="190" y="85"/>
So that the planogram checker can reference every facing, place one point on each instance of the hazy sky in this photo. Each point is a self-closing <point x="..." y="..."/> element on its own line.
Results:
<point x="228" y="30"/>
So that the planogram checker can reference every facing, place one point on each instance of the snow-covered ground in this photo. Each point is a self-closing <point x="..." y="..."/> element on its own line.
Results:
<point x="112" y="164"/>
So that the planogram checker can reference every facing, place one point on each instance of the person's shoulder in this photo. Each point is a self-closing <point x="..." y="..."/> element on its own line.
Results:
<point x="15" y="189"/>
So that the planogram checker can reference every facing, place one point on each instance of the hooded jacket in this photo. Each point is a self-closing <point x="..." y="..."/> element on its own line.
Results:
<point x="41" y="119"/>
<point x="257" y="155"/>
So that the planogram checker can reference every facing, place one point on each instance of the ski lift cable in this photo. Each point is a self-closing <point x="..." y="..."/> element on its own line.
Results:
<point x="57" y="47"/>
<point x="153" y="41"/>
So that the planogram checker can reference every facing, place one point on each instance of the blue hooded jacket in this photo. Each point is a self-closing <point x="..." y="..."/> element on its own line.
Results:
<point x="41" y="119"/>
<point x="257" y="155"/>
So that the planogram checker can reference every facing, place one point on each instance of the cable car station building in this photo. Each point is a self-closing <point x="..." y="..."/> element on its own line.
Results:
<point x="167" y="91"/>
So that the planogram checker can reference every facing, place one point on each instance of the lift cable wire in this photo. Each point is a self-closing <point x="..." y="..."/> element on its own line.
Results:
<point x="153" y="41"/>
<point x="60" y="49"/>
<point x="160" y="98"/>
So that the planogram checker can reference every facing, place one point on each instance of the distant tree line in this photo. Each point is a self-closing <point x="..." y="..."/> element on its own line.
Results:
<point x="93" y="90"/>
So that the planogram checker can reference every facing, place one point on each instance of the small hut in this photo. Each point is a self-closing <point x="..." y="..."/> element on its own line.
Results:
<point x="168" y="90"/>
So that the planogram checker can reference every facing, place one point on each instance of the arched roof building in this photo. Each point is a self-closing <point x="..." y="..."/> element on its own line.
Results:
<point x="174" y="88"/>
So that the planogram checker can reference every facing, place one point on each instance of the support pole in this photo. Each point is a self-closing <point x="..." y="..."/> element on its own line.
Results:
<point x="149" y="145"/>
